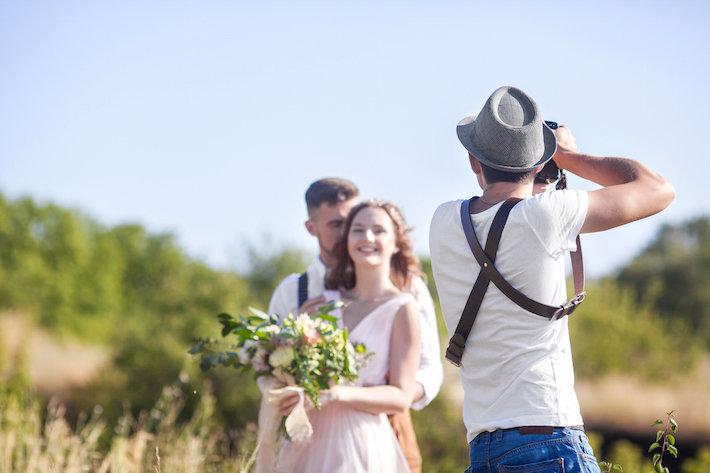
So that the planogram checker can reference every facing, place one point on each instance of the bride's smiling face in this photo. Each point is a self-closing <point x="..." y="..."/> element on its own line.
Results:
<point x="372" y="239"/>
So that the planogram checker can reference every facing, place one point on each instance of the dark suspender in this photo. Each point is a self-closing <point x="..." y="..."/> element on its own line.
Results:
<point x="302" y="289"/>
<point x="489" y="273"/>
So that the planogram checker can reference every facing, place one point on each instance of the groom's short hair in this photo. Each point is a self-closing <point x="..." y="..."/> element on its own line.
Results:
<point x="331" y="190"/>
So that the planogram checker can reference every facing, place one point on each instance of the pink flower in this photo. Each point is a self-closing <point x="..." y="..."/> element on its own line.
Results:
<point x="308" y="328"/>
<point x="312" y="337"/>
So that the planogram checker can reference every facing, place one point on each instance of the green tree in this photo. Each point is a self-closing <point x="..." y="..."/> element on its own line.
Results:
<point x="673" y="274"/>
<point x="611" y="333"/>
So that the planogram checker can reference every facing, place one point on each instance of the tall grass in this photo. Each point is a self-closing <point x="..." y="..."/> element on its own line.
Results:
<point x="37" y="440"/>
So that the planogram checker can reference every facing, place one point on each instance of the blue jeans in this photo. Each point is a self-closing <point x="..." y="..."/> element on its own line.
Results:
<point x="508" y="451"/>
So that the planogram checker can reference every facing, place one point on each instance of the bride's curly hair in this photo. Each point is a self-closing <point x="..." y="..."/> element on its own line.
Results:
<point x="404" y="264"/>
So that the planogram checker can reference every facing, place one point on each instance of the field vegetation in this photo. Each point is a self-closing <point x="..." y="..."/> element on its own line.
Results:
<point x="95" y="323"/>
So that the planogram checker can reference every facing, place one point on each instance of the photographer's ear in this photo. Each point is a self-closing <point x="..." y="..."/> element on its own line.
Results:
<point x="475" y="164"/>
<point x="478" y="170"/>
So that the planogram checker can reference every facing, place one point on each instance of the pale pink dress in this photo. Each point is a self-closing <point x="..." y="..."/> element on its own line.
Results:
<point x="347" y="440"/>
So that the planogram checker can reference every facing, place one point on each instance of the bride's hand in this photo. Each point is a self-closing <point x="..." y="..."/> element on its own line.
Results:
<point x="288" y="402"/>
<point x="325" y="397"/>
<point x="329" y="396"/>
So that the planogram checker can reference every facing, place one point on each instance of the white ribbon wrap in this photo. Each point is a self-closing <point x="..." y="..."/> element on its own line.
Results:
<point x="298" y="427"/>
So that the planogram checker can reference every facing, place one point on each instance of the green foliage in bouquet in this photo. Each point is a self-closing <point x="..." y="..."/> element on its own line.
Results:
<point x="307" y="351"/>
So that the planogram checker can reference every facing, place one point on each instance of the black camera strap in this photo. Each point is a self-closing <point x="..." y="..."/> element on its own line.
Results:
<point x="489" y="273"/>
<point x="302" y="289"/>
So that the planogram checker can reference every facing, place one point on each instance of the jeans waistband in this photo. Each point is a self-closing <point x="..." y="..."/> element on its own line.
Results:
<point x="529" y="430"/>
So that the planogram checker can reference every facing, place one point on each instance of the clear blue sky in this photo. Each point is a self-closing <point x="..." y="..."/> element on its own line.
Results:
<point x="209" y="119"/>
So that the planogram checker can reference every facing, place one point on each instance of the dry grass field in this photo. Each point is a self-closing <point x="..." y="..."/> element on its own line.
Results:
<point x="626" y="404"/>
<point x="629" y="405"/>
<point x="155" y="442"/>
<point x="33" y="440"/>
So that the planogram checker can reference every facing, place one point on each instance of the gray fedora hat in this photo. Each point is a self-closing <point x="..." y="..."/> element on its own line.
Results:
<point x="509" y="134"/>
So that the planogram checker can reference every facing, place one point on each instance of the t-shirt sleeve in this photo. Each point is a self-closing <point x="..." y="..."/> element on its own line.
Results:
<point x="443" y="222"/>
<point x="556" y="218"/>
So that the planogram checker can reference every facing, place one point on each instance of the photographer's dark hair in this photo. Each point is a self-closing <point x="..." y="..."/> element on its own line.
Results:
<point x="331" y="190"/>
<point x="496" y="175"/>
<point x="404" y="264"/>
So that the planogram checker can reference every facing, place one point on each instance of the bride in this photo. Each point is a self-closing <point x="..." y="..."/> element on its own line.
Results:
<point x="375" y="264"/>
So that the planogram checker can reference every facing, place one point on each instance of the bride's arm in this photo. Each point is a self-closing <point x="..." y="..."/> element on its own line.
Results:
<point x="396" y="396"/>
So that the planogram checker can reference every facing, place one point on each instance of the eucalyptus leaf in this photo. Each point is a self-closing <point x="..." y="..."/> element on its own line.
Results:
<point x="328" y="318"/>
<point x="206" y="363"/>
<point x="259" y="313"/>
<point x="329" y="307"/>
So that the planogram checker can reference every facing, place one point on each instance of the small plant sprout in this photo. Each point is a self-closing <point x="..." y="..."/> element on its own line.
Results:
<point x="663" y="443"/>
<point x="609" y="467"/>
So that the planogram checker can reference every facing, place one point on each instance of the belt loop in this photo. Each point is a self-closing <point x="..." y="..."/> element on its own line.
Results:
<point x="498" y="435"/>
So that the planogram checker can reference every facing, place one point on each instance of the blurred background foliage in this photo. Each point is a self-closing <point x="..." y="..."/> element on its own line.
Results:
<point x="141" y="298"/>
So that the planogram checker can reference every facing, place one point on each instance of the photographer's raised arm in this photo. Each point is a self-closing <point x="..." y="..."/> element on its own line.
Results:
<point x="630" y="192"/>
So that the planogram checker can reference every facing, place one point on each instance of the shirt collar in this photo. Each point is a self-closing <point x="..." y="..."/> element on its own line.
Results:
<point x="318" y="269"/>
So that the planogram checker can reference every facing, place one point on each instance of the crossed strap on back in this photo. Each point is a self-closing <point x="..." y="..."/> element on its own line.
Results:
<point x="489" y="273"/>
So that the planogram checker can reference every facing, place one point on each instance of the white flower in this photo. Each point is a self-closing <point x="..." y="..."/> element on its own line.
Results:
<point x="272" y="329"/>
<point x="243" y="355"/>
<point x="305" y="324"/>
<point x="282" y="356"/>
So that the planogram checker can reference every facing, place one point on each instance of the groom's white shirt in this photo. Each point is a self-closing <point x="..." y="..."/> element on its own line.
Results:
<point x="430" y="373"/>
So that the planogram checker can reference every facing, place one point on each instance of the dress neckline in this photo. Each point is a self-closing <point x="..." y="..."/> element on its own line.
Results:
<point x="369" y="314"/>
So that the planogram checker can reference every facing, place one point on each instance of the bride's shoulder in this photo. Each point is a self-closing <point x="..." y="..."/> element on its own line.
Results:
<point x="406" y="304"/>
<point x="406" y="317"/>
<point x="406" y="298"/>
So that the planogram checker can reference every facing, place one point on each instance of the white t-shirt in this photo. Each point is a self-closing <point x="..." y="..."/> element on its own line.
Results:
<point x="516" y="369"/>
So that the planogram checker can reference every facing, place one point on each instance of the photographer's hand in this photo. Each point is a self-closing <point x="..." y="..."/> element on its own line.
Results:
<point x="565" y="139"/>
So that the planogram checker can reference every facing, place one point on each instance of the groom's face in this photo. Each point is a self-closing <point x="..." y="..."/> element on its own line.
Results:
<point x="327" y="223"/>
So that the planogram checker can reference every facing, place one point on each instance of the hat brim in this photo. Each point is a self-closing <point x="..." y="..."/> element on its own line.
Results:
<point x="465" y="131"/>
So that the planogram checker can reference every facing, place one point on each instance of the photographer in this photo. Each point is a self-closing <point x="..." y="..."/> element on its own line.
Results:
<point x="520" y="408"/>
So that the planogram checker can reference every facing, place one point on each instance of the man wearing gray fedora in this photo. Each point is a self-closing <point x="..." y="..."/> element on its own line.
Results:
<point x="498" y="261"/>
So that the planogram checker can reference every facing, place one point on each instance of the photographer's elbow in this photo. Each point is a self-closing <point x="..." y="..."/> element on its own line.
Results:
<point x="666" y="194"/>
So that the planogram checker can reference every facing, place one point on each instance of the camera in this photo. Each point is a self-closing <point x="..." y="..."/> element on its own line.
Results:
<point x="551" y="173"/>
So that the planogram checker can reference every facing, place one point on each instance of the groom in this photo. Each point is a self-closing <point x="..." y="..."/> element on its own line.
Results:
<point x="520" y="408"/>
<point x="328" y="202"/>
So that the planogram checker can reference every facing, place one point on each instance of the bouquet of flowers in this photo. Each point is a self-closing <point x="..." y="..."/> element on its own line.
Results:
<point x="306" y="351"/>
